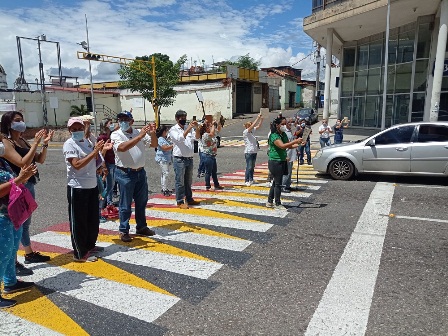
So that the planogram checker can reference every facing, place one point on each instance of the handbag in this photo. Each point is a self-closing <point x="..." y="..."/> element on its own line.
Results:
<point x="21" y="204"/>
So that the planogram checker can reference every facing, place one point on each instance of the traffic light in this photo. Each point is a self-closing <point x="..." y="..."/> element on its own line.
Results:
<point x="92" y="57"/>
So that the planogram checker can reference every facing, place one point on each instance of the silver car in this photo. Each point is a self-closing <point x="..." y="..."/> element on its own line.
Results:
<point x="408" y="149"/>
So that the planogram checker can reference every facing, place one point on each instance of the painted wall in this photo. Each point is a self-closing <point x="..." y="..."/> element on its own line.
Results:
<point x="29" y="103"/>
<point x="288" y="85"/>
<point x="257" y="97"/>
<point x="308" y="95"/>
<point x="217" y="98"/>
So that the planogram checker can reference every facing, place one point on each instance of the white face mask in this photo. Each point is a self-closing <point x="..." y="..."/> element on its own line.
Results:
<point x="283" y="128"/>
<point x="2" y="149"/>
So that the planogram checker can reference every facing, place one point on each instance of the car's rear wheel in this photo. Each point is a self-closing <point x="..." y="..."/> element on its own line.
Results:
<point x="341" y="169"/>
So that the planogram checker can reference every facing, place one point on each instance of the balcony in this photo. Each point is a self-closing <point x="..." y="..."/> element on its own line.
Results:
<point x="323" y="4"/>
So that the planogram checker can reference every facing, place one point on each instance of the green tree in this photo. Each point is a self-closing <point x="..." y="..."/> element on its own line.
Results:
<point x="246" y="62"/>
<point x="78" y="111"/>
<point x="137" y="77"/>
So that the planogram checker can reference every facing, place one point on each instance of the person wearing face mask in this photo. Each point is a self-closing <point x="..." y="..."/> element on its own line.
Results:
<point x="207" y="133"/>
<point x="129" y="148"/>
<point x="302" y="125"/>
<point x="251" y="148"/>
<point x="106" y="128"/>
<point x="278" y="144"/>
<point x="291" y="156"/>
<point x="19" y="152"/>
<point x="9" y="235"/>
<point x="339" y="131"/>
<point x="324" y="131"/>
<point x="183" y="136"/>
<point x="82" y="159"/>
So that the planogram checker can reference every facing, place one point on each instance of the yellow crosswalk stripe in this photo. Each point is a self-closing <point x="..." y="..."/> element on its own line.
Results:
<point x="34" y="306"/>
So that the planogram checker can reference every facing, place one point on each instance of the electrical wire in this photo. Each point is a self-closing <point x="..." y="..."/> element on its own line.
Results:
<point x="303" y="58"/>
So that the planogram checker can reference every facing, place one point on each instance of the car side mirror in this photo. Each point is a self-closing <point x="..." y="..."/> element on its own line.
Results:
<point x="371" y="143"/>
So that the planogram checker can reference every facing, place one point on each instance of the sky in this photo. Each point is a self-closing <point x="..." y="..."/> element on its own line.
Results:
<point x="211" y="30"/>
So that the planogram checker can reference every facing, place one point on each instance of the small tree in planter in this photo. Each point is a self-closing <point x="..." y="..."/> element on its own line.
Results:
<point x="78" y="111"/>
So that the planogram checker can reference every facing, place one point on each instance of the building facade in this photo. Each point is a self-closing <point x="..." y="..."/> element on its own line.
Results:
<point x="355" y="32"/>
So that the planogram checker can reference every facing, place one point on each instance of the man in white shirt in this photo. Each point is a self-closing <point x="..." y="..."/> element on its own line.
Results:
<point x="129" y="147"/>
<point x="324" y="131"/>
<point x="183" y="137"/>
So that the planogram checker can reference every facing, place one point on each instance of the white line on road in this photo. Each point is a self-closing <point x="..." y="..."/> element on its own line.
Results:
<point x="208" y="220"/>
<point x="137" y="302"/>
<point x="164" y="261"/>
<point x="189" y="237"/>
<point x="345" y="305"/>
<point x="14" y="325"/>
<point x="229" y="208"/>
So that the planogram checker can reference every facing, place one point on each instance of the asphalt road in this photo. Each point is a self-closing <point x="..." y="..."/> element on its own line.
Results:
<point x="358" y="257"/>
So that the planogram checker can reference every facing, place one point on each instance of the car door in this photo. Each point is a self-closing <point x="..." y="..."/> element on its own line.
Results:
<point x="390" y="151"/>
<point x="430" y="150"/>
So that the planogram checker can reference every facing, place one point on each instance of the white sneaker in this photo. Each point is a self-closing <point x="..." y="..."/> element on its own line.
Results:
<point x="269" y="205"/>
<point x="280" y="207"/>
<point x="247" y="184"/>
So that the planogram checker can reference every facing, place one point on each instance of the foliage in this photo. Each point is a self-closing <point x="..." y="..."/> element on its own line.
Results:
<point x="78" y="111"/>
<point x="137" y="76"/>
<point x="246" y="62"/>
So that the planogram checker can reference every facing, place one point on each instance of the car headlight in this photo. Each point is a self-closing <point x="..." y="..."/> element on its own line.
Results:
<point x="318" y="154"/>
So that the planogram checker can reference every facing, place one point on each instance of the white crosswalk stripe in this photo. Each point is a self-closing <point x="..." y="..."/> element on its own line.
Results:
<point x="166" y="262"/>
<point x="214" y="226"/>
<point x="263" y="211"/>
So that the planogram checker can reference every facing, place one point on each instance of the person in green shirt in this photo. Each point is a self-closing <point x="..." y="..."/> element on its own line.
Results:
<point x="277" y="164"/>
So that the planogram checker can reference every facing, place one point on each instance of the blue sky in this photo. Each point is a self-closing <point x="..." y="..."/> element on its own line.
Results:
<point x="210" y="30"/>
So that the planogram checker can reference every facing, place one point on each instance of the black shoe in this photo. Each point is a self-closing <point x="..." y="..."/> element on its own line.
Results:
<point x="146" y="231"/>
<point x="22" y="270"/>
<point x="19" y="286"/>
<point x="35" y="257"/>
<point x="293" y="189"/>
<point x="125" y="237"/>
<point x="286" y="190"/>
<point x="301" y="163"/>
<point x="6" y="303"/>
<point x="309" y="163"/>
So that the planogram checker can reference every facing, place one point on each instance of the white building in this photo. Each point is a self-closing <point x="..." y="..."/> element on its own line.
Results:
<point x="355" y="32"/>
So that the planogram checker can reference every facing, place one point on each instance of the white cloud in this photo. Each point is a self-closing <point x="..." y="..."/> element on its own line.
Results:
<point x="207" y="29"/>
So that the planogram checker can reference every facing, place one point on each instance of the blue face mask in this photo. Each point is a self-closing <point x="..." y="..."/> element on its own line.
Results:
<point x="78" y="136"/>
<point x="112" y="127"/>
<point x="124" y="125"/>
<point x="18" y="126"/>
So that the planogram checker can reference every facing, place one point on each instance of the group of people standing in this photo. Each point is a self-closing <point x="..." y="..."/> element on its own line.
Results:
<point x="118" y="156"/>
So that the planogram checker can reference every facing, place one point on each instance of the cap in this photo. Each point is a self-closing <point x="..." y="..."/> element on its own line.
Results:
<point x="125" y="114"/>
<point x="76" y="120"/>
<point x="86" y="117"/>
<point x="180" y="113"/>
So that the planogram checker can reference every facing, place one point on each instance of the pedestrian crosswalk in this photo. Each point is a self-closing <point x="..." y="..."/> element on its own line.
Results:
<point x="138" y="282"/>
<point x="240" y="142"/>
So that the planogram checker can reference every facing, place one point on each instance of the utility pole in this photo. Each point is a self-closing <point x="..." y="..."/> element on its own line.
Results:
<point x="42" y="80"/>
<point x="317" y="100"/>
<point x="91" y="81"/>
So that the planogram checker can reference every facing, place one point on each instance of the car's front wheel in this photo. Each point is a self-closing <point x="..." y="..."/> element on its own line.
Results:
<point x="341" y="169"/>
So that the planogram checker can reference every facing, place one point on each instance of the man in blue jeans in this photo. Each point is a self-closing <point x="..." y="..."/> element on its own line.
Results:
<point x="130" y="174"/>
<point x="183" y="138"/>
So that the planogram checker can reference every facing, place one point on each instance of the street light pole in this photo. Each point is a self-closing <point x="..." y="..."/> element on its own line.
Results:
<point x="386" y="66"/>
<point x="42" y="81"/>
<point x="91" y="80"/>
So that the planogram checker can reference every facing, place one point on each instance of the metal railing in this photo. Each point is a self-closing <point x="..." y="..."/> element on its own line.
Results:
<point x="322" y="4"/>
